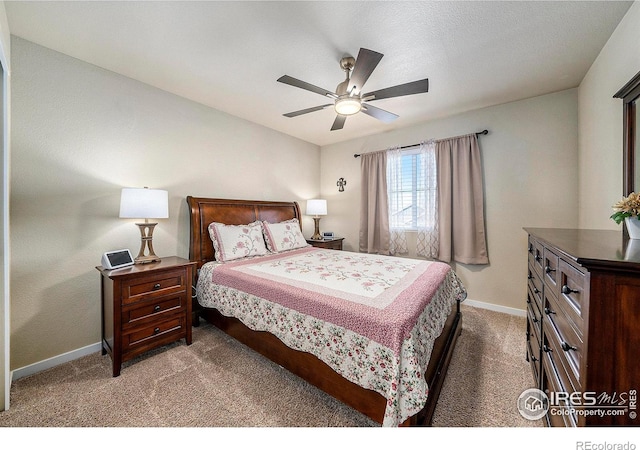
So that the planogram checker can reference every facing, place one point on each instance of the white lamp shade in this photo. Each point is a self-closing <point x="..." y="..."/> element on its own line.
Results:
<point x="143" y="203"/>
<point x="316" y="207"/>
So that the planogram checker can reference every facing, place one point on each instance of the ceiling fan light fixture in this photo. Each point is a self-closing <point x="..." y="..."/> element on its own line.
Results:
<point x="348" y="106"/>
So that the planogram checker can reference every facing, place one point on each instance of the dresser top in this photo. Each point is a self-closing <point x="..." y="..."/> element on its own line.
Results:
<point x="592" y="247"/>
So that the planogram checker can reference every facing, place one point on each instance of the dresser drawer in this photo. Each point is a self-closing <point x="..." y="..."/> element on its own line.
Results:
<point x="535" y="286"/>
<point x="558" y="415"/>
<point x="533" y="355"/>
<point x="535" y="317"/>
<point x="152" y="308"/>
<point x="550" y="268"/>
<point x="154" y="285"/>
<point x="573" y="293"/>
<point x="536" y="250"/>
<point x="147" y="336"/>
<point x="565" y="342"/>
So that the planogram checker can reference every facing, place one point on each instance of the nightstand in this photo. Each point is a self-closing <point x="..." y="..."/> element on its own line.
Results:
<point x="145" y="306"/>
<point x="333" y="244"/>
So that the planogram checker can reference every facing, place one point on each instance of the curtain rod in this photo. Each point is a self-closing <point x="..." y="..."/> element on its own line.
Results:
<point x="409" y="146"/>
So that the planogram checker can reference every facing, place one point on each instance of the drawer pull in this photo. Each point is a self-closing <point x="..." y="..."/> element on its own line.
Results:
<point x="538" y="258"/>
<point x="566" y="346"/>
<point x="548" y="311"/>
<point x="530" y="248"/>
<point x="156" y="286"/>
<point x="536" y="290"/>
<point x="547" y="349"/>
<point x="548" y="269"/>
<point x="566" y="290"/>
<point x="156" y="330"/>
<point x="528" y="300"/>
<point x="156" y="308"/>
<point x="535" y="320"/>
<point x="529" y="277"/>
<point x="533" y="358"/>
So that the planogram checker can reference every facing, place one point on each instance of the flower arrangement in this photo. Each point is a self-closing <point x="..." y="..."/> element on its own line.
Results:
<point x="627" y="207"/>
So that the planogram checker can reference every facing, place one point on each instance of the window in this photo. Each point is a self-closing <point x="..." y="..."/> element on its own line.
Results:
<point x="411" y="186"/>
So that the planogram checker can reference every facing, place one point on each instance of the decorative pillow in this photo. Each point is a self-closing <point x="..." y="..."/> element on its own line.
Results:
<point x="237" y="241"/>
<point x="283" y="236"/>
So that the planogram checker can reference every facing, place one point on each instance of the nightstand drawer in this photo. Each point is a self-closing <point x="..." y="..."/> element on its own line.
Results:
<point x="153" y="286"/>
<point x="154" y="332"/>
<point x="152" y="309"/>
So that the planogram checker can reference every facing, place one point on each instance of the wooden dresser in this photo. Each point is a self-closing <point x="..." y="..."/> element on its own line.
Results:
<point x="145" y="306"/>
<point x="583" y="326"/>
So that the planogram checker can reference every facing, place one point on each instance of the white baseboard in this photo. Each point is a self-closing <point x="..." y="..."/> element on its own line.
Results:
<point x="497" y="308"/>
<point x="55" y="361"/>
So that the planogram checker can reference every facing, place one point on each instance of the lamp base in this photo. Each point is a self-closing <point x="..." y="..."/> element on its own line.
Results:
<point x="316" y="235"/>
<point x="146" y="254"/>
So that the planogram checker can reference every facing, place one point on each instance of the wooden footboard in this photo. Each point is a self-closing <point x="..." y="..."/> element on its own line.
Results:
<point x="314" y="371"/>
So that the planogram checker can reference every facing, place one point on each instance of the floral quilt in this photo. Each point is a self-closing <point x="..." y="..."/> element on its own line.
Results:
<point x="373" y="319"/>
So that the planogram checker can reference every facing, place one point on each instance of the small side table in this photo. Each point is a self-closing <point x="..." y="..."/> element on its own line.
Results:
<point x="145" y="306"/>
<point x="333" y="243"/>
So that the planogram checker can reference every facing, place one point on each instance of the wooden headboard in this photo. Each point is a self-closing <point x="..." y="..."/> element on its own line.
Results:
<point x="203" y="211"/>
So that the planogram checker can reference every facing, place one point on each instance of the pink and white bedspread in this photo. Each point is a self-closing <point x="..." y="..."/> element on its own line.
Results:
<point x="373" y="319"/>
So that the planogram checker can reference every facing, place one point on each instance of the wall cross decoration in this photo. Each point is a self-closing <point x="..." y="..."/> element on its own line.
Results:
<point x="341" y="184"/>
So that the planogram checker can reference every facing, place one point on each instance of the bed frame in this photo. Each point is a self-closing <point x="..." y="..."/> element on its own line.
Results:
<point x="203" y="211"/>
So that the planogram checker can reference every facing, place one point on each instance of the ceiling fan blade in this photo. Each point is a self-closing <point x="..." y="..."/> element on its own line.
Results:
<point x="286" y="79"/>
<point x="366" y="62"/>
<point x="415" y="87"/>
<point x="339" y="122"/>
<point x="305" y="111"/>
<point x="380" y="114"/>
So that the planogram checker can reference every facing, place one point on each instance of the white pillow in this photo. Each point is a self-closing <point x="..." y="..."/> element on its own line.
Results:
<point x="237" y="241"/>
<point x="283" y="236"/>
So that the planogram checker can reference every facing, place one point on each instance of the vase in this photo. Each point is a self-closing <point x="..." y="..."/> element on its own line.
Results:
<point x="633" y="227"/>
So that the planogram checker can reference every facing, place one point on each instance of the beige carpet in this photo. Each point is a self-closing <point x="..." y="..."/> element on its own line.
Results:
<point x="217" y="382"/>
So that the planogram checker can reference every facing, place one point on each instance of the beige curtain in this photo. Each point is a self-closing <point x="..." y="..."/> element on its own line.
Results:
<point x="462" y="234"/>
<point x="374" y="209"/>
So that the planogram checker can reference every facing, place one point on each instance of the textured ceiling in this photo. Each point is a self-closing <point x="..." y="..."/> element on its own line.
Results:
<point x="228" y="55"/>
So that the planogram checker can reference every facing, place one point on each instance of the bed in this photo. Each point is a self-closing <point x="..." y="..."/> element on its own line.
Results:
<point x="330" y="336"/>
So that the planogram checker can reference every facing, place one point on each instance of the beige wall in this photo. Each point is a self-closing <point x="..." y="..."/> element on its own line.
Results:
<point x="531" y="178"/>
<point x="80" y="134"/>
<point x="600" y="125"/>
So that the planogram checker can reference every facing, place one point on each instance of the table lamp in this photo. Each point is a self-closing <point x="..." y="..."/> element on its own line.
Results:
<point x="144" y="203"/>
<point x="317" y="208"/>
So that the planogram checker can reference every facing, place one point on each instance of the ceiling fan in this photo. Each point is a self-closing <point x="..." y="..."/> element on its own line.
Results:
<point x="348" y="99"/>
